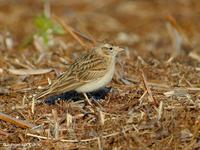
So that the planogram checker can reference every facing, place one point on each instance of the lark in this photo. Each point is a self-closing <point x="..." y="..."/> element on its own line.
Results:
<point x="88" y="73"/>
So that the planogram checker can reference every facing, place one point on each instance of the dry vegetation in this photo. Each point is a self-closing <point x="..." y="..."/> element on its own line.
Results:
<point x="154" y="102"/>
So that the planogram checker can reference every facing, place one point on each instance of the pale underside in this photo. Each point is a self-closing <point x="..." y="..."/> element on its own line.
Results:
<point x="89" y="73"/>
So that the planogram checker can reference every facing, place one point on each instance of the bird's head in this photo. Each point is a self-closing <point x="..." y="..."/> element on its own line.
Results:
<point x="108" y="50"/>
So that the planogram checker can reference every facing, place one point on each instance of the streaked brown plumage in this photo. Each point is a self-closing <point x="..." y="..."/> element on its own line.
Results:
<point x="88" y="73"/>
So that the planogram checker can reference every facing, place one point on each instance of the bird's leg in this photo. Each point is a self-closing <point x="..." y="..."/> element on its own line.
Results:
<point x="87" y="100"/>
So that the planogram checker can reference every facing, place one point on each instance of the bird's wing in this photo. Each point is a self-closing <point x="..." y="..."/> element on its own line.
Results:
<point x="90" y="68"/>
<point x="92" y="73"/>
<point x="66" y="82"/>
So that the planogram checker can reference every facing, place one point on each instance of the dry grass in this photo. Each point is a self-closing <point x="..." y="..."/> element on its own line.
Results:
<point x="155" y="98"/>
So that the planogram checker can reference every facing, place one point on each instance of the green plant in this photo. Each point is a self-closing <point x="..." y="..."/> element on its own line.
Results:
<point x="46" y="28"/>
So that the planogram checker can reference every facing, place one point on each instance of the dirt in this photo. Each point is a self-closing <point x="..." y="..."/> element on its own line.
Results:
<point x="154" y="100"/>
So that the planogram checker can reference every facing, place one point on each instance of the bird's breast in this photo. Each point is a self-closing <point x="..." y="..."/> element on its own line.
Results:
<point x="99" y="83"/>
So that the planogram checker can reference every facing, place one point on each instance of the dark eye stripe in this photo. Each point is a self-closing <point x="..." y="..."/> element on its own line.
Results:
<point x="110" y="48"/>
<point x="104" y="48"/>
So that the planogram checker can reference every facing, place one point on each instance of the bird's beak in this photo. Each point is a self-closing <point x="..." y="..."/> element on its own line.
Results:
<point x="120" y="49"/>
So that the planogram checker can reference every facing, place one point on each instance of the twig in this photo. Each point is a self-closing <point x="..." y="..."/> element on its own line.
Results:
<point x="18" y="63"/>
<point x="83" y="140"/>
<point x="37" y="136"/>
<point x="70" y="30"/>
<point x="33" y="105"/>
<point x="180" y="41"/>
<point x="29" y="71"/>
<point x="159" y="110"/>
<point x="141" y="98"/>
<point x="17" y="122"/>
<point x="56" y="124"/>
<point x="91" y="38"/>
<point x="148" y="89"/>
<point x="195" y="56"/>
<point x="84" y="36"/>
<point x="99" y="143"/>
<point x="193" y="88"/>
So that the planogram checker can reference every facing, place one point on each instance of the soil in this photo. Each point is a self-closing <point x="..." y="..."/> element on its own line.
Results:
<point x="153" y="101"/>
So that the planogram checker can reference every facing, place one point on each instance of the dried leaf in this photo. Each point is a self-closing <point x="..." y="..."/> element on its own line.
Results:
<point x="29" y="71"/>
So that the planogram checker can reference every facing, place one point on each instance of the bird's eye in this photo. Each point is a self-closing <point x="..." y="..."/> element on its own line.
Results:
<point x="111" y="48"/>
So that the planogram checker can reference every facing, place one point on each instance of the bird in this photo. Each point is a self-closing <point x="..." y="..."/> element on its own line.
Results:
<point x="90" y="72"/>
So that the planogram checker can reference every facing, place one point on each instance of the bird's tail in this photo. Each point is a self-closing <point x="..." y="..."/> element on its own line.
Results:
<point x="43" y="93"/>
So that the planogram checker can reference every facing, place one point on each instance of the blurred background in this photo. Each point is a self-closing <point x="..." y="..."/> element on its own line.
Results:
<point x="129" y="22"/>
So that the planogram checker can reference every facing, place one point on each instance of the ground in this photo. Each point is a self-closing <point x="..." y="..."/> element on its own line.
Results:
<point x="154" y="97"/>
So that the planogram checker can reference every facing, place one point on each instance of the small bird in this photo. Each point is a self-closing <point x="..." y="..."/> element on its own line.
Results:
<point x="88" y="73"/>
